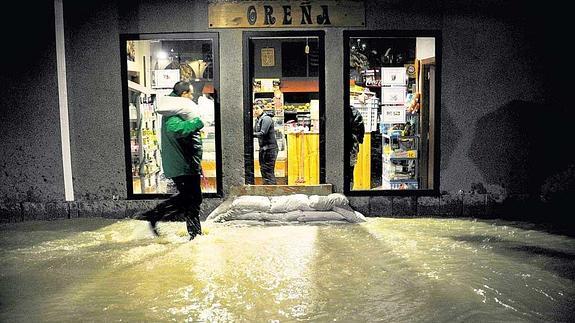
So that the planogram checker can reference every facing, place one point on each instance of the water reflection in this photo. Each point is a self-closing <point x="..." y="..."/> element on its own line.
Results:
<point x="560" y="262"/>
<point x="400" y="270"/>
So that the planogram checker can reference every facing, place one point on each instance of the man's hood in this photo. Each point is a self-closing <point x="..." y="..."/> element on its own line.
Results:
<point x="172" y="105"/>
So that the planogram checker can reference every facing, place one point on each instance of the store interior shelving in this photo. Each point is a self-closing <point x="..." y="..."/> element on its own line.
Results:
<point x="293" y="103"/>
<point x="153" y="68"/>
<point x="389" y="156"/>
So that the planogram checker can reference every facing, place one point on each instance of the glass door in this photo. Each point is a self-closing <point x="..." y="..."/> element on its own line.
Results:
<point x="284" y="108"/>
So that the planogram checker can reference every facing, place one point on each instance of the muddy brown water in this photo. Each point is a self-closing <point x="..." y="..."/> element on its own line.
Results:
<point x="390" y="270"/>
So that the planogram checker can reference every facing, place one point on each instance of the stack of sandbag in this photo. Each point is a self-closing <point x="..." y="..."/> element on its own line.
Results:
<point x="287" y="208"/>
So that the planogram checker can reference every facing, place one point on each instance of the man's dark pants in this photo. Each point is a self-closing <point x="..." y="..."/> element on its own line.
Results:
<point x="186" y="203"/>
<point x="267" y="165"/>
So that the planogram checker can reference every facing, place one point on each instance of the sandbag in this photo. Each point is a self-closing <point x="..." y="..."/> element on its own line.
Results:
<point x="287" y="208"/>
<point x="221" y="209"/>
<point x="349" y="214"/>
<point x="287" y="203"/>
<point x="310" y="216"/>
<point x="251" y="203"/>
<point x="229" y="215"/>
<point x="266" y="216"/>
<point x="327" y="202"/>
<point x="232" y="215"/>
<point x="293" y="216"/>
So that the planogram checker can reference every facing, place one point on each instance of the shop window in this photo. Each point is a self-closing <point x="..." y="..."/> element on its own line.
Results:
<point x="283" y="78"/>
<point x="392" y="111"/>
<point x="152" y="64"/>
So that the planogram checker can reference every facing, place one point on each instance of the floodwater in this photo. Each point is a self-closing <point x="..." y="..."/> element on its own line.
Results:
<point x="391" y="270"/>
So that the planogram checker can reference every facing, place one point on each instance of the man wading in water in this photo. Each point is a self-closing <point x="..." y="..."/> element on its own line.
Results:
<point x="181" y="160"/>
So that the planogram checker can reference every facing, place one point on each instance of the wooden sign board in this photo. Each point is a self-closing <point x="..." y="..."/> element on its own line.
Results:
<point x="285" y="13"/>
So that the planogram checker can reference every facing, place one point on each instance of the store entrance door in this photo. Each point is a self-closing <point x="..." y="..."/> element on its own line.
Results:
<point x="284" y="108"/>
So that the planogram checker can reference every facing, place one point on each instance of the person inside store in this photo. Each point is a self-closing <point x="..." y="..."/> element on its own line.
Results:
<point x="356" y="138"/>
<point x="268" y="147"/>
<point x="181" y="153"/>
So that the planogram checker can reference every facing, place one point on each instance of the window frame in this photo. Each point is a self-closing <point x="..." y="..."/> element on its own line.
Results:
<point x="124" y="38"/>
<point x="347" y="35"/>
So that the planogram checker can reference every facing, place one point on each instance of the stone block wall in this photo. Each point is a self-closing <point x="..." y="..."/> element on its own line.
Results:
<point x="448" y="204"/>
<point x="113" y="209"/>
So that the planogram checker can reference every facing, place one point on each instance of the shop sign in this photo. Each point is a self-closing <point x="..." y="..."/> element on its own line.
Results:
<point x="285" y="13"/>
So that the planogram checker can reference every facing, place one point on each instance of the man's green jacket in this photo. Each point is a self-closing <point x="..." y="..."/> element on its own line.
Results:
<point x="181" y="146"/>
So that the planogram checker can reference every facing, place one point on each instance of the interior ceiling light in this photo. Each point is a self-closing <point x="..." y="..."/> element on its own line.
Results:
<point x="161" y="55"/>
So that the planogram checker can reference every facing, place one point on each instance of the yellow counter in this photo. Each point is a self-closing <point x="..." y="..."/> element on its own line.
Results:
<point x="303" y="158"/>
<point x="362" y="170"/>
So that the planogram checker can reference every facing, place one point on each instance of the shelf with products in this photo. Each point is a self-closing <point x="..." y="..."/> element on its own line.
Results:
<point x="400" y="184"/>
<point x="153" y="67"/>
<point x="400" y="146"/>
<point x="367" y="103"/>
<point x="400" y="160"/>
<point x="389" y="67"/>
<point x="139" y="88"/>
<point x="301" y="110"/>
<point x="144" y="141"/>
<point x="294" y="105"/>
<point x="399" y="128"/>
<point x="292" y="102"/>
